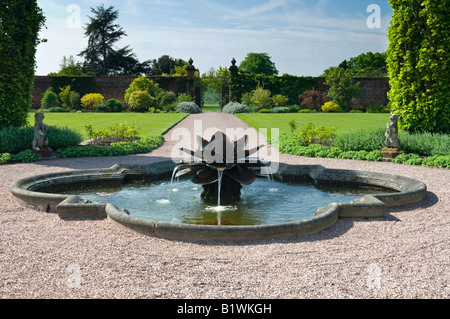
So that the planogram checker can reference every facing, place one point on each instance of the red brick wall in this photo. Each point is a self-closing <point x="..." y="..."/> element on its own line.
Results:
<point x="112" y="87"/>
<point x="374" y="90"/>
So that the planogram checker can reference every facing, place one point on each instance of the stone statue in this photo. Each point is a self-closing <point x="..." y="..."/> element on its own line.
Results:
<point x="392" y="149"/>
<point x="392" y="132"/>
<point x="40" y="141"/>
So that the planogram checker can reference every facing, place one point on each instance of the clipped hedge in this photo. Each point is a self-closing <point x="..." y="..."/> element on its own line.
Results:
<point x="287" y="85"/>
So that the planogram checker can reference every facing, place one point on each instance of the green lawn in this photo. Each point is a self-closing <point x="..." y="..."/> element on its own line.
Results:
<point x="147" y="124"/>
<point x="211" y="108"/>
<point x="342" y="122"/>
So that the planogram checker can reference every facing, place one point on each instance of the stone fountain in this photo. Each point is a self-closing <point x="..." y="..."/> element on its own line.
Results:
<point x="222" y="167"/>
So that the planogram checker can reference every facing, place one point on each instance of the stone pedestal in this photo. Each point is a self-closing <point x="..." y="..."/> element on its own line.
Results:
<point x="43" y="154"/>
<point x="389" y="154"/>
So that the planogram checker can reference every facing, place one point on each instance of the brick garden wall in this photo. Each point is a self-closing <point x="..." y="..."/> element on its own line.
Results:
<point x="374" y="90"/>
<point x="112" y="87"/>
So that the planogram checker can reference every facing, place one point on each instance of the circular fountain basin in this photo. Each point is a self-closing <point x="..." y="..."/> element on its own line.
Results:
<point x="42" y="192"/>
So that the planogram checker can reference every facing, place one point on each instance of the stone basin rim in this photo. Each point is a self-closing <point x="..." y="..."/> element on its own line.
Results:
<point x="408" y="190"/>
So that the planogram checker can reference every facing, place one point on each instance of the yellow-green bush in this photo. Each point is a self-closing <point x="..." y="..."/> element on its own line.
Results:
<point x="140" y="101"/>
<point x="330" y="106"/>
<point x="90" y="101"/>
<point x="141" y="84"/>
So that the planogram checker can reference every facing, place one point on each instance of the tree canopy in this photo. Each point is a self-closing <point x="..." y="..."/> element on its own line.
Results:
<point x="367" y="64"/>
<point x="342" y="87"/>
<point x="258" y="63"/>
<point x="165" y="64"/>
<point x="101" y="56"/>
<point x="69" y="67"/>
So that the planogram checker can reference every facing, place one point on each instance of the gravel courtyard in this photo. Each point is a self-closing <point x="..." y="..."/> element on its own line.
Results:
<point x="404" y="255"/>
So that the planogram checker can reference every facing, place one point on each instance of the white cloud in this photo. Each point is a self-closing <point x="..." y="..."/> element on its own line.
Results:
<point x="302" y="39"/>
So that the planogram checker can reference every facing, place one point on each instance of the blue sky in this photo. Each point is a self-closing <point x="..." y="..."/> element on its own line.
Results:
<point x="303" y="37"/>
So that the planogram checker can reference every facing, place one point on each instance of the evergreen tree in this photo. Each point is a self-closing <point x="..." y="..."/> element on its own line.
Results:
<point x="101" y="57"/>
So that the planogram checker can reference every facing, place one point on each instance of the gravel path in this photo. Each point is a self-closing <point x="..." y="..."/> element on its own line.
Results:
<point x="405" y="255"/>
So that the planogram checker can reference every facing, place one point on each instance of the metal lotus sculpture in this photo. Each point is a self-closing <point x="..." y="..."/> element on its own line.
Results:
<point x="220" y="166"/>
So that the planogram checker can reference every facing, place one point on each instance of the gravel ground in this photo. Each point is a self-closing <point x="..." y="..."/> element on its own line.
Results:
<point x="404" y="255"/>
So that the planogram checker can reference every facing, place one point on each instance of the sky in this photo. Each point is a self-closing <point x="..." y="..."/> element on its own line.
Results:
<point x="302" y="37"/>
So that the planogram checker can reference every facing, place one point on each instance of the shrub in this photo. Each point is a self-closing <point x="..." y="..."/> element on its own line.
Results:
<point x="90" y="101"/>
<point x="235" y="107"/>
<point x="140" y="101"/>
<point x="4" y="158"/>
<point x="141" y="84"/>
<point x="261" y="98"/>
<point x="166" y="100"/>
<point x="426" y="144"/>
<point x="26" y="156"/>
<point x="292" y="125"/>
<point x="114" y="105"/>
<point x="184" y="97"/>
<point x="342" y="89"/>
<point x="144" y="145"/>
<point x="247" y="98"/>
<point x="367" y="140"/>
<point x="280" y="109"/>
<point x="62" y="137"/>
<point x="293" y="108"/>
<point x="330" y="106"/>
<point x="279" y="100"/>
<point x="102" y="108"/>
<point x="56" y="109"/>
<point x="312" y="99"/>
<point x="310" y="134"/>
<point x="187" y="107"/>
<point x="50" y="99"/>
<point x="75" y="100"/>
<point x="64" y="96"/>
<point x="14" y="140"/>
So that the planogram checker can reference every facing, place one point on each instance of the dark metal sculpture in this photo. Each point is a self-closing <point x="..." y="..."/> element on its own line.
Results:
<point x="220" y="166"/>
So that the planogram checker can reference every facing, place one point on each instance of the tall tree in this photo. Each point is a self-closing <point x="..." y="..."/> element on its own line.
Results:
<point x="258" y="63"/>
<point x="342" y="87"/>
<point x="68" y="67"/>
<point x="418" y="64"/>
<point x="101" y="57"/>
<point x="368" y="64"/>
<point x="364" y="65"/>
<point x="165" y="64"/>
<point x="20" y="23"/>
